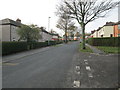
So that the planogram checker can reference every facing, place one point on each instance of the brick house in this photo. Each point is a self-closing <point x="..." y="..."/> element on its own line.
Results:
<point x="117" y="29"/>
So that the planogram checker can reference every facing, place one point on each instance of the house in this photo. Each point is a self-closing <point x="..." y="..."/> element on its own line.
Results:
<point x="94" y="33"/>
<point x="9" y="31"/>
<point x="100" y="32"/>
<point x="55" y="37"/>
<point x="105" y="31"/>
<point x="117" y="29"/>
<point x="46" y="36"/>
<point x="9" y="28"/>
<point x="108" y="29"/>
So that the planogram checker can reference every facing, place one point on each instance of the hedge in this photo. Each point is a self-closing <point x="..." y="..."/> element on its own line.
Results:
<point x="13" y="47"/>
<point x="108" y="41"/>
<point x="53" y="42"/>
<point x="35" y="45"/>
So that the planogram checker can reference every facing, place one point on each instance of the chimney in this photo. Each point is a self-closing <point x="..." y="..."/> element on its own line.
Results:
<point x="18" y="20"/>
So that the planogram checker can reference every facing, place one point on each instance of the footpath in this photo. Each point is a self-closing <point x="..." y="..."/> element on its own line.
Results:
<point x="95" y="50"/>
<point x="93" y="70"/>
<point x="15" y="56"/>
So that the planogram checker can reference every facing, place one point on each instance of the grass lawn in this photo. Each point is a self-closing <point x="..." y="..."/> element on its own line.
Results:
<point x="107" y="49"/>
<point x="85" y="50"/>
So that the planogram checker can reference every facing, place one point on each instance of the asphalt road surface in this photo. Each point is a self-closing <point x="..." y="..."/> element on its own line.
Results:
<point x="61" y="66"/>
<point x="47" y="69"/>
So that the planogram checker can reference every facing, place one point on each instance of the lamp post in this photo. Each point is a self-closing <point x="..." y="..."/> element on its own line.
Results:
<point x="48" y="28"/>
<point x="49" y="23"/>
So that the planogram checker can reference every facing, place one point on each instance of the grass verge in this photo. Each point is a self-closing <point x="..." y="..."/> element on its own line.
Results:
<point x="107" y="49"/>
<point x="85" y="50"/>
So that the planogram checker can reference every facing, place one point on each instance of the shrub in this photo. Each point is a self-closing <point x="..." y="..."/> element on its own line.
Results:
<point x="38" y="45"/>
<point x="108" y="41"/>
<point x="13" y="47"/>
<point x="51" y="43"/>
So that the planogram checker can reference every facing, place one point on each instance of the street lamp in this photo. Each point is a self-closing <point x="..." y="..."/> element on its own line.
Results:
<point x="49" y="23"/>
<point x="48" y="27"/>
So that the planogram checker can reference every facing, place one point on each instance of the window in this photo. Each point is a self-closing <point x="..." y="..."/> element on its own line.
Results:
<point x="101" y="35"/>
<point x="118" y="26"/>
<point x="111" y="35"/>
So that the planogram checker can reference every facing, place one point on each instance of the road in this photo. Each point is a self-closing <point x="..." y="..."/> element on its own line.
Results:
<point x="46" y="69"/>
<point x="61" y="66"/>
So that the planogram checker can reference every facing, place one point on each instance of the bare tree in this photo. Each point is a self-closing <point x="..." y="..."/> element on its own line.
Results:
<point x="85" y="11"/>
<point x="65" y="23"/>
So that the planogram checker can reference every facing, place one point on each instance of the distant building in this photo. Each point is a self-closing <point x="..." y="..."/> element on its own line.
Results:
<point x="117" y="29"/>
<point x="110" y="29"/>
<point x="9" y="31"/>
<point x="47" y="36"/>
<point x="9" y="28"/>
<point x="55" y="37"/>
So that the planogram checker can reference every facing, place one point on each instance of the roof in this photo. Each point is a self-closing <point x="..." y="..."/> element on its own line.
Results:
<point x="109" y="24"/>
<point x="8" y="21"/>
<point x="117" y="23"/>
<point x="43" y="30"/>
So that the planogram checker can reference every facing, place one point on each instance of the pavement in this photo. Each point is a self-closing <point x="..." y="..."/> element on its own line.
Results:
<point x="94" y="70"/>
<point x="95" y="50"/>
<point x="63" y="66"/>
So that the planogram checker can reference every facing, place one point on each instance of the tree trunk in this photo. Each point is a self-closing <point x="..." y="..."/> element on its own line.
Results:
<point x="66" y="36"/>
<point x="83" y="36"/>
<point x="66" y="32"/>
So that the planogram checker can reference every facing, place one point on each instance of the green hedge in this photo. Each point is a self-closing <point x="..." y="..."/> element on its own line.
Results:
<point x="35" y="45"/>
<point x="108" y="41"/>
<point x="52" y="43"/>
<point x="13" y="47"/>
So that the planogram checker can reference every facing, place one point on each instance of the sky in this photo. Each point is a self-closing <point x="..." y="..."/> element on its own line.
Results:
<point x="38" y="11"/>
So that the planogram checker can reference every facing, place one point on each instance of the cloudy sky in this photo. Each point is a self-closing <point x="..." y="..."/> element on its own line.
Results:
<point x="38" y="11"/>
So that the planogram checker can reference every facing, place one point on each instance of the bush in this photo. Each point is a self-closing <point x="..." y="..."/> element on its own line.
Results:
<point x="109" y="41"/>
<point x="51" y="43"/>
<point x="35" y="45"/>
<point x="13" y="47"/>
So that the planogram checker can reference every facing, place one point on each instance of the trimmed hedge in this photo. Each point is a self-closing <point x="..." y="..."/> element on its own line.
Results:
<point x="13" y="47"/>
<point x="35" y="45"/>
<point x="53" y="42"/>
<point x="108" y="41"/>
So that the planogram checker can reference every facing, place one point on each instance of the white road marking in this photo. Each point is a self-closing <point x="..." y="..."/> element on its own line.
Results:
<point x="78" y="67"/>
<point x="76" y="84"/>
<point x="85" y="60"/>
<point x="88" y="68"/>
<point x="90" y="75"/>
